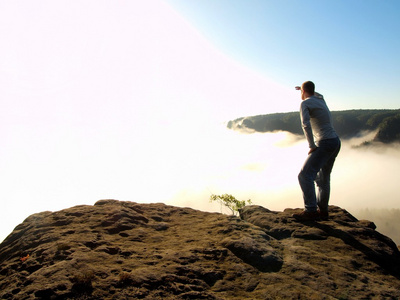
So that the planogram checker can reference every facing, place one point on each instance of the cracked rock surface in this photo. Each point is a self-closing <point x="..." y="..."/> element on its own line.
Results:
<point x="126" y="250"/>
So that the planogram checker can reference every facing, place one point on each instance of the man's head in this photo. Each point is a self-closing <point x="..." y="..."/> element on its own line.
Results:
<point x="307" y="89"/>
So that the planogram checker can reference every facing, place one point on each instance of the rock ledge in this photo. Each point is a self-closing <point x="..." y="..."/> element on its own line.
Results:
<point x="125" y="250"/>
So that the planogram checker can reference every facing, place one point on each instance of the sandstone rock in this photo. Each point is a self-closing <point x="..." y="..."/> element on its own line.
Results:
<point x="256" y="253"/>
<point x="125" y="250"/>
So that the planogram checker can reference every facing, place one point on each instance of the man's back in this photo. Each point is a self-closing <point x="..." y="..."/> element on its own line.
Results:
<point x="316" y="119"/>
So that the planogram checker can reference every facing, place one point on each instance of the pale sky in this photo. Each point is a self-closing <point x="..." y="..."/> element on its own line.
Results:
<point x="128" y="99"/>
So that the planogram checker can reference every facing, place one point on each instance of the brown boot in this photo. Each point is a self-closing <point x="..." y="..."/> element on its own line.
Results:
<point x="306" y="216"/>
<point x="323" y="215"/>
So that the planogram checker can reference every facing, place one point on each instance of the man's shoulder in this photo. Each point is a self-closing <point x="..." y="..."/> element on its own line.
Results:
<point x="308" y="101"/>
<point x="314" y="99"/>
<point x="313" y="103"/>
<point x="318" y="95"/>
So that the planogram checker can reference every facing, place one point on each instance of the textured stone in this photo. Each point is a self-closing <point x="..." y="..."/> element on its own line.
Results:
<point x="125" y="250"/>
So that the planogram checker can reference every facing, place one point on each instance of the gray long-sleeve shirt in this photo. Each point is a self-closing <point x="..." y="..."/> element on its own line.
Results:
<point x="316" y="120"/>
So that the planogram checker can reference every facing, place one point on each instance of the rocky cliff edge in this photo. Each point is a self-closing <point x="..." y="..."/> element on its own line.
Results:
<point x="125" y="250"/>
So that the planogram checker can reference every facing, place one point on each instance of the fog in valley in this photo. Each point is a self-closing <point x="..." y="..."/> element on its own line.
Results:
<point x="183" y="166"/>
<point x="263" y="167"/>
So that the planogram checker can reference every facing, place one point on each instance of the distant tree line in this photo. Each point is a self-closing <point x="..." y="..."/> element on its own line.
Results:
<point x="347" y="123"/>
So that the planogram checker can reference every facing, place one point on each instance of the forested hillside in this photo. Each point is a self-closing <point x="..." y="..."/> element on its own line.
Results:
<point x="348" y="123"/>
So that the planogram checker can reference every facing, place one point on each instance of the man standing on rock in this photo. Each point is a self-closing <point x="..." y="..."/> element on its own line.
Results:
<point x="316" y="121"/>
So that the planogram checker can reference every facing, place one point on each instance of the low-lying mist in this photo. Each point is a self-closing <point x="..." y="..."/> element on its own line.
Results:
<point x="263" y="167"/>
<point x="183" y="166"/>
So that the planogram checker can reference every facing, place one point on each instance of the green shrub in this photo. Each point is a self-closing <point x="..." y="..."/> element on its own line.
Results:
<point x="230" y="202"/>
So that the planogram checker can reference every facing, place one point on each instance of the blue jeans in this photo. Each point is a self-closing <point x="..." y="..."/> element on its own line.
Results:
<point x="318" y="167"/>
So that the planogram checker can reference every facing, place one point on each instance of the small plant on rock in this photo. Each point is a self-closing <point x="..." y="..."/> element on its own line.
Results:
<point x="83" y="282"/>
<point x="230" y="202"/>
<point x="125" y="279"/>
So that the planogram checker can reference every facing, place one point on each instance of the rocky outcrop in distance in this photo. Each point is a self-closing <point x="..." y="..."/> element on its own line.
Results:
<point x="126" y="250"/>
<point x="347" y="123"/>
